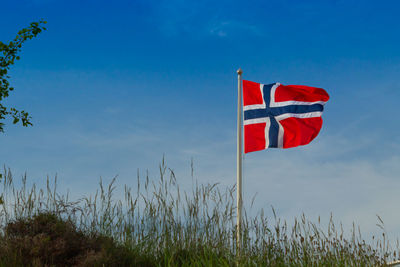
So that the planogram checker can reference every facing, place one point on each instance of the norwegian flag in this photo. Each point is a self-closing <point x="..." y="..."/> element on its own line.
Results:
<point x="281" y="116"/>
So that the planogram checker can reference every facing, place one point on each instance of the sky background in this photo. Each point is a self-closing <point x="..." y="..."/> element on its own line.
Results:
<point x="112" y="86"/>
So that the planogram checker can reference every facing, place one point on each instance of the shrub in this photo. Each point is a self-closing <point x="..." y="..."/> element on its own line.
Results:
<point x="47" y="240"/>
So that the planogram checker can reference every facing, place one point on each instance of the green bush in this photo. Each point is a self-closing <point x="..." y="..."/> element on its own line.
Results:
<point x="47" y="240"/>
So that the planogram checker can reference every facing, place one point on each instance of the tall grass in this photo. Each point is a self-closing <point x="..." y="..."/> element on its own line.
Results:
<point x="173" y="227"/>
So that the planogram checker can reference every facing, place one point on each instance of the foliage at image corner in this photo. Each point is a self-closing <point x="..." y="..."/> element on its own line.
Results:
<point x="1" y="196"/>
<point x="9" y="53"/>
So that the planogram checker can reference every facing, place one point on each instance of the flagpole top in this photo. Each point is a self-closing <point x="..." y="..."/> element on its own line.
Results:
<point x="239" y="71"/>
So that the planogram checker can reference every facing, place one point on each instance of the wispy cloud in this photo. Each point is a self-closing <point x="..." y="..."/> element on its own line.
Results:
<point x="232" y="27"/>
<point x="199" y="19"/>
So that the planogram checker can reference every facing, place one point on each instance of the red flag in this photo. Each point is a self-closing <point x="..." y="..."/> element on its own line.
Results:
<point x="279" y="116"/>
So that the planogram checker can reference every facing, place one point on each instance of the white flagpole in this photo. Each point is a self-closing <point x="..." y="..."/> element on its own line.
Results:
<point x="239" y="163"/>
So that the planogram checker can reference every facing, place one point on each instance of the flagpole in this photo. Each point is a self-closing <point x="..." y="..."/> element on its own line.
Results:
<point x="239" y="163"/>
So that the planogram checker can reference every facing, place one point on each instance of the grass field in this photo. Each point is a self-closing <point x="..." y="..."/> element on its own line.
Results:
<point x="159" y="224"/>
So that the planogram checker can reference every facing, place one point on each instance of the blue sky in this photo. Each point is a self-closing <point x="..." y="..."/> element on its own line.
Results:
<point x="112" y="86"/>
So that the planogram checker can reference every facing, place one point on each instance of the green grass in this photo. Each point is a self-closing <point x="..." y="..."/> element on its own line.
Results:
<point x="159" y="224"/>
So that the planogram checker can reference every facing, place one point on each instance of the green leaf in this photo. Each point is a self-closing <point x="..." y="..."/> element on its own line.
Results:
<point x="9" y="53"/>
